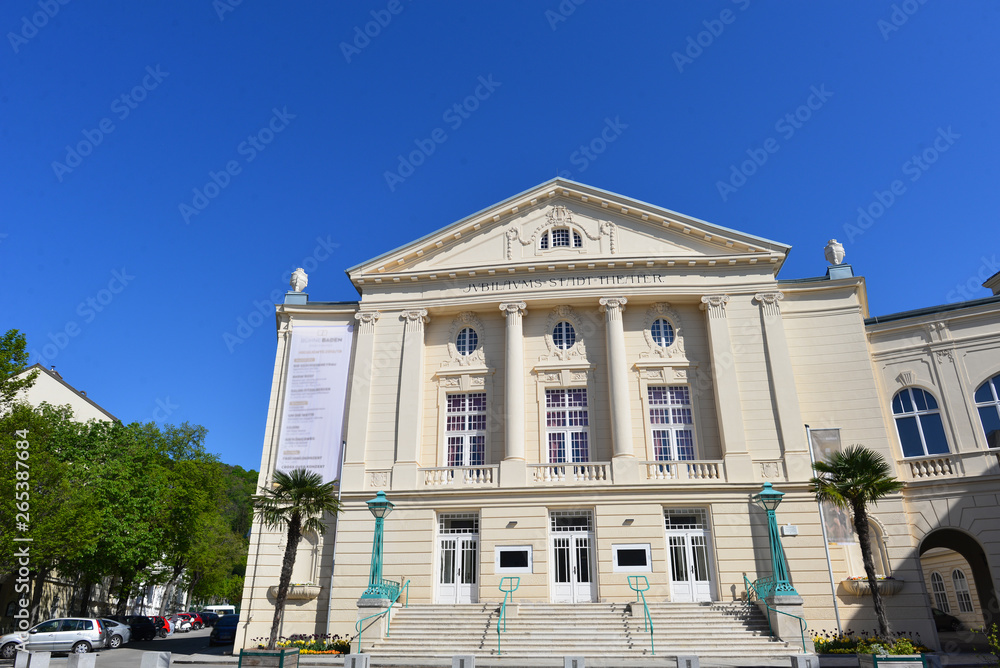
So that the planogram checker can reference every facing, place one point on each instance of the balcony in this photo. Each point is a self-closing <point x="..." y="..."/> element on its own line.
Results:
<point x="952" y="465"/>
<point x="575" y="474"/>
<point x="460" y="476"/>
<point x="687" y="471"/>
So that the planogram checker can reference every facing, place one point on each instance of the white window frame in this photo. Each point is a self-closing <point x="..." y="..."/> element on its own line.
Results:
<point x="940" y="593"/>
<point x="962" y="593"/>
<point x="563" y="326"/>
<point x="569" y="413"/>
<point x="497" y="550"/>
<point x="992" y="384"/>
<point x="673" y="332"/>
<point x="469" y="349"/>
<point x="918" y="415"/>
<point x="465" y="435"/>
<point x="672" y="428"/>
<point x="648" y="568"/>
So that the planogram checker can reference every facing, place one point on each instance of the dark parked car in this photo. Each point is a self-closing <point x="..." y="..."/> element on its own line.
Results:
<point x="224" y="632"/>
<point x="142" y="627"/>
<point x="945" y="622"/>
<point x="209" y="618"/>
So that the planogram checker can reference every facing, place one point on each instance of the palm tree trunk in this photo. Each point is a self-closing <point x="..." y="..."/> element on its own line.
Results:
<point x="864" y="537"/>
<point x="294" y="535"/>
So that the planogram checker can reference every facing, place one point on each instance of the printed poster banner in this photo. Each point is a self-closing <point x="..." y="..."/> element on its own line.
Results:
<point x="836" y="520"/>
<point x="315" y="391"/>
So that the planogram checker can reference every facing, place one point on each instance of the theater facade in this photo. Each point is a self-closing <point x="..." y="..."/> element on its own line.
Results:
<point x="572" y="386"/>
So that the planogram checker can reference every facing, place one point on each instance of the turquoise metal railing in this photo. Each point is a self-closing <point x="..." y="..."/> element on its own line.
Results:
<point x="633" y="583"/>
<point x="512" y="583"/>
<point x="760" y="590"/>
<point x="396" y="590"/>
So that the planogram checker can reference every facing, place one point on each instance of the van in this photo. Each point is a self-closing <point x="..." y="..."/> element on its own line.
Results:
<point x="221" y="609"/>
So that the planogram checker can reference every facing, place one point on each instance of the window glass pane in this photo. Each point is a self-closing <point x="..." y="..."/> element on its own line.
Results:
<point x="631" y="557"/>
<point x="680" y="394"/>
<point x="931" y="401"/>
<point x="560" y="237"/>
<point x="991" y="425"/>
<point x="661" y="444"/>
<point x="456" y="403"/>
<point x="513" y="559"/>
<point x="577" y="240"/>
<point x="685" y="444"/>
<point x="937" y="444"/>
<point x="557" y="448"/>
<point x="467" y="341"/>
<point x="983" y="393"/>
<point x="904" y="397"/>
<point x="562" y="559"/>
<point x="477" y="450"/>
<point x="909" y="437"/>
<point x="582" y="560"/>
<point x="580" y="450"/>
<point x="919" y="399"/>
<point x="663" y="332"/>
<point x="563" y="336"/>
<point x="897" y="405"/>
<point x="544" y="243"/>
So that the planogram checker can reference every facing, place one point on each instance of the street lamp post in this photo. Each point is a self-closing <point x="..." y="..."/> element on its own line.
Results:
<point x="380" y="507"/>
<point x="768" y="499"/>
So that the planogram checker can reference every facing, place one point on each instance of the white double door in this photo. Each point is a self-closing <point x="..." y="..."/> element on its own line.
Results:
<point x="573" y="568"/>
<point x="458" y="568"/>
<point x="690" y="577"/>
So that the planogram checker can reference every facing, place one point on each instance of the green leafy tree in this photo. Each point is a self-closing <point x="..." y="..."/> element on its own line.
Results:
<point x="852" y="479"/>
<point x="13" y="360"/>
<point x="296" y="500"/>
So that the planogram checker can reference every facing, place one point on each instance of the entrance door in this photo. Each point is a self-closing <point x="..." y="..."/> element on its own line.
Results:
<point x="572" y="567"/>
<point x="689" y="579"/>
<point x="457" y="570"/>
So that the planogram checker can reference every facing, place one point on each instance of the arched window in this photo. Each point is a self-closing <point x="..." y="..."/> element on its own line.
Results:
<point x="962" y="591"/>
<point x="988" y="404"/>
<point x="466" y="341"/>
<point x="560" y="237"/>
<point x="563" y="335"/>
<point x="662" y="332"/>
<point x="577" y="240"/>
<point x="940" y="595"/>
<point x="918" y="423"/>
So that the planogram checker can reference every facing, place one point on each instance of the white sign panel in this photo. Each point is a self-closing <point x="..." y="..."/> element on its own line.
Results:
<point x="315" y="391"/>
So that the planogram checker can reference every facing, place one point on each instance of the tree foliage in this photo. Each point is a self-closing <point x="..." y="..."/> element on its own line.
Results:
<point x="852" y="479"/>
<point x="13" y="360"/>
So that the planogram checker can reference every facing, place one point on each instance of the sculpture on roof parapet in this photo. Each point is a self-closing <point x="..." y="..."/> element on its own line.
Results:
<point x="299" y="280"/>
<point x="835" y="252"/>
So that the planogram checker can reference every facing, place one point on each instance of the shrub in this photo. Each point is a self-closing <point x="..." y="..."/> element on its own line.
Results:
<point x="848" y="642"/>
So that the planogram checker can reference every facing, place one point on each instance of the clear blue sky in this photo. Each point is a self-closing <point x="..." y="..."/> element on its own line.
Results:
<point x="309" y="114"/>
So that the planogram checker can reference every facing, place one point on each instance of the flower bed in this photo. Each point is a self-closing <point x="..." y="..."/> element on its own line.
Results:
<point x="312" y="644"/>
<point x="849" y="642"/>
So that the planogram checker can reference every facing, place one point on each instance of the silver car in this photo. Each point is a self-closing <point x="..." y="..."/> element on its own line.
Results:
<point x="73" y="634"/>
<point x="118" y="633"/>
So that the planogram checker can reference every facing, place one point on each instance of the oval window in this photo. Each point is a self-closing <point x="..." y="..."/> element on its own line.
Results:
<point x="467" y="341"/>
<point x="663" y="332"/>
<point x="564" y="336"/>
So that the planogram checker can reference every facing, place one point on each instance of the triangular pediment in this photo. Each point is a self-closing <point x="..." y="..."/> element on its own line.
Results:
<point x="568" y="224"/>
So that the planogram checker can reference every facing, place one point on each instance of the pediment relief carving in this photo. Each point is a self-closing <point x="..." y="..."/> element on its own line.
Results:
<point x="560" y="216"/>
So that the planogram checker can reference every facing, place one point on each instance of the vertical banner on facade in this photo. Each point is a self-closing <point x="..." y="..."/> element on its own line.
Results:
<point x="837" y="521"/>
<point x="315" y="390"/>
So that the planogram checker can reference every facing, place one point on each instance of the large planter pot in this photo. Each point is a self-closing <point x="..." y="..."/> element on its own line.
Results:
<point x="270" y="658"/>
<point x="892" y="661"/>
<point x="862" y="588"/>
<point x="297" y="592"/>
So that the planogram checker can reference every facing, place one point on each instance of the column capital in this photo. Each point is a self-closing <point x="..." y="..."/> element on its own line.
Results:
<point x="769" y="302"/>
<point x="366" y="321"/>
<point x="613" y="304"/>
<point x="513" y="308"/>
<point x="715" y="305"/>
<point x="415" y="317"/>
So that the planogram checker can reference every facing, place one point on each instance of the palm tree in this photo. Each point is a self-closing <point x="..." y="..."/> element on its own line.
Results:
<point x="297" y="499"/>
<point x="852" y="479"/>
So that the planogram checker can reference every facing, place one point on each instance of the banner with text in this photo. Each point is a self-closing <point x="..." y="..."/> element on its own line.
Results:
<point x="836" y="520"/>
<point x="315" y="390"/>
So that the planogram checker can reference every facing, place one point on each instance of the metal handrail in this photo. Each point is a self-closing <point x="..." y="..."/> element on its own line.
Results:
<point x="633" y="583"/>
<point x="764" y="587"/>
<point x="513" y="583"/>
<point x="388" y="611"/>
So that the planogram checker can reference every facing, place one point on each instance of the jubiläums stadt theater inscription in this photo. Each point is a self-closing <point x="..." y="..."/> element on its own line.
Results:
<point x="564" y="282"/>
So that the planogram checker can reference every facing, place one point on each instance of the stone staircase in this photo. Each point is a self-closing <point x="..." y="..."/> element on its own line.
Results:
<point x="607" y="630"/>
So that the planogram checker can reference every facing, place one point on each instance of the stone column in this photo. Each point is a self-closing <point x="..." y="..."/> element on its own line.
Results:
<point x="791" y="428"/>
<point x="513" y="468"/>
<point x="353" y="475"/>
<point x="624" y="467"/>
<point x="727" y="392"/>
<point x="410" y="400"/>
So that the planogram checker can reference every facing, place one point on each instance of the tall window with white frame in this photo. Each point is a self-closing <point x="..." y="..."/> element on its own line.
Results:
<point x="940" y="593"/>
<point x="465" y="429"/>
<point x="918" y="423"/>
<point x="962" y="591"/>
<point x="988" y="404"/>
<point x="671" y="421"/>
<point x="567" y="425"/>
